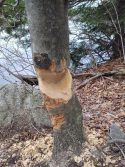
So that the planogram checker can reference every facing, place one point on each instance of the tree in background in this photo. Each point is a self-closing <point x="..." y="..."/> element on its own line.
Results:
<point x="48" y="23"/>
<point x="119" y="36"/>
<point x="101" y="25"/>
<point x="13" y="20"/>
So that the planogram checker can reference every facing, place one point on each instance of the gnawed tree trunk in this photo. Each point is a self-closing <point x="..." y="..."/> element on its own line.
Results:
<point x="48" y="23"/>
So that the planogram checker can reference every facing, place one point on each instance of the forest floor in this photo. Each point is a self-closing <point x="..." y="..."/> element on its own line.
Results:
<point x="103" y="103"/>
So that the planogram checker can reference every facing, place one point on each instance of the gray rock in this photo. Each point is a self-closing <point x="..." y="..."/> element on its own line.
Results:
<point x="21" y="104"/>
<point x="116" y="133"/>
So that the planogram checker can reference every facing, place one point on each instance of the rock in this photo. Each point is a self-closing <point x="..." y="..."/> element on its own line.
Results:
<point x="21" y="105"/>
<point x="116" y="133"/>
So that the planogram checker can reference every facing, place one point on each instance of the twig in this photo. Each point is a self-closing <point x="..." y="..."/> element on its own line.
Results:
<point x="16" y="4"/>
<point x="31" y="80"/>
<point x="110" y="79"/>
<point x="10" y="72"/>
<point x="82" y="74"/>
<point x="115" y="142"/>
<point x="37" y="129"/>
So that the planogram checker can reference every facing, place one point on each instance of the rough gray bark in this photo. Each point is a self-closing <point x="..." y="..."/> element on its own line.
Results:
<point x="48" y="22"/>
<point x="71" y="129"/>
<point x="69" y="138"/>
<point x="48" y="30"/>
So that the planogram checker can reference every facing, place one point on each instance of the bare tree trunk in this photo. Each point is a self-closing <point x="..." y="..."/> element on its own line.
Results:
<point x="48" y="23"/>
<point x="117" y="43"/>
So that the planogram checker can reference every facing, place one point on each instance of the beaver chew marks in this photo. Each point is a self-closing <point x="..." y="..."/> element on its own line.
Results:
<point x="50" y="103"/>
<point x="55" y="85"/>
<point x="57" y="121"/>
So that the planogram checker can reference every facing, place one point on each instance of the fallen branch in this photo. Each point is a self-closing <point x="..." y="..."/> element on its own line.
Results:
<point x="10" y="72"/>
<point x="28" y="79"/>
<point x="116" y="141"/>
<point x="95" y="76"/>
<point x="81" y="75"/>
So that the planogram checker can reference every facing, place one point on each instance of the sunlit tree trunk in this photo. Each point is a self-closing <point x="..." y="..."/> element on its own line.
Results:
<point x="48" y="23"/>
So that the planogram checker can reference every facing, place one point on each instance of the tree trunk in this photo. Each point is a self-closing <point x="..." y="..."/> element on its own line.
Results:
<point x="117" y="43"/>
<point x="48" y="23"/>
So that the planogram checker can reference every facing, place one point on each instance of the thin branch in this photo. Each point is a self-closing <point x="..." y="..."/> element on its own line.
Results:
<point x="82" y="75"/>
<point x="16" y="4"/>
<point x="10" y="72"/>
<point x="110" y="73"/>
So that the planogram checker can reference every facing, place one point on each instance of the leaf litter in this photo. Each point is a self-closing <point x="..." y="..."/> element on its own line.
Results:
<point x="103" y="103"/>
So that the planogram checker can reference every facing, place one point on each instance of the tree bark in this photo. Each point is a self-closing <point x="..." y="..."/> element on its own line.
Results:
<point x="117" y="43"/>
<point x="48" y="23"/>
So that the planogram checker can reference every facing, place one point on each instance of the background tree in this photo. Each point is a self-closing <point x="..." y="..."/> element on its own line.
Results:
<point x="13" y="20"/>
<point x="119" y="36"/>
<point x="101" y="25"/>
<point x="48" y="23"/>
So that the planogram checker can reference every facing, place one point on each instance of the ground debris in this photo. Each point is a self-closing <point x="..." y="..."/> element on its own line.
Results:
<point x="103" y="103"/>
<point x="25" y="153"/>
